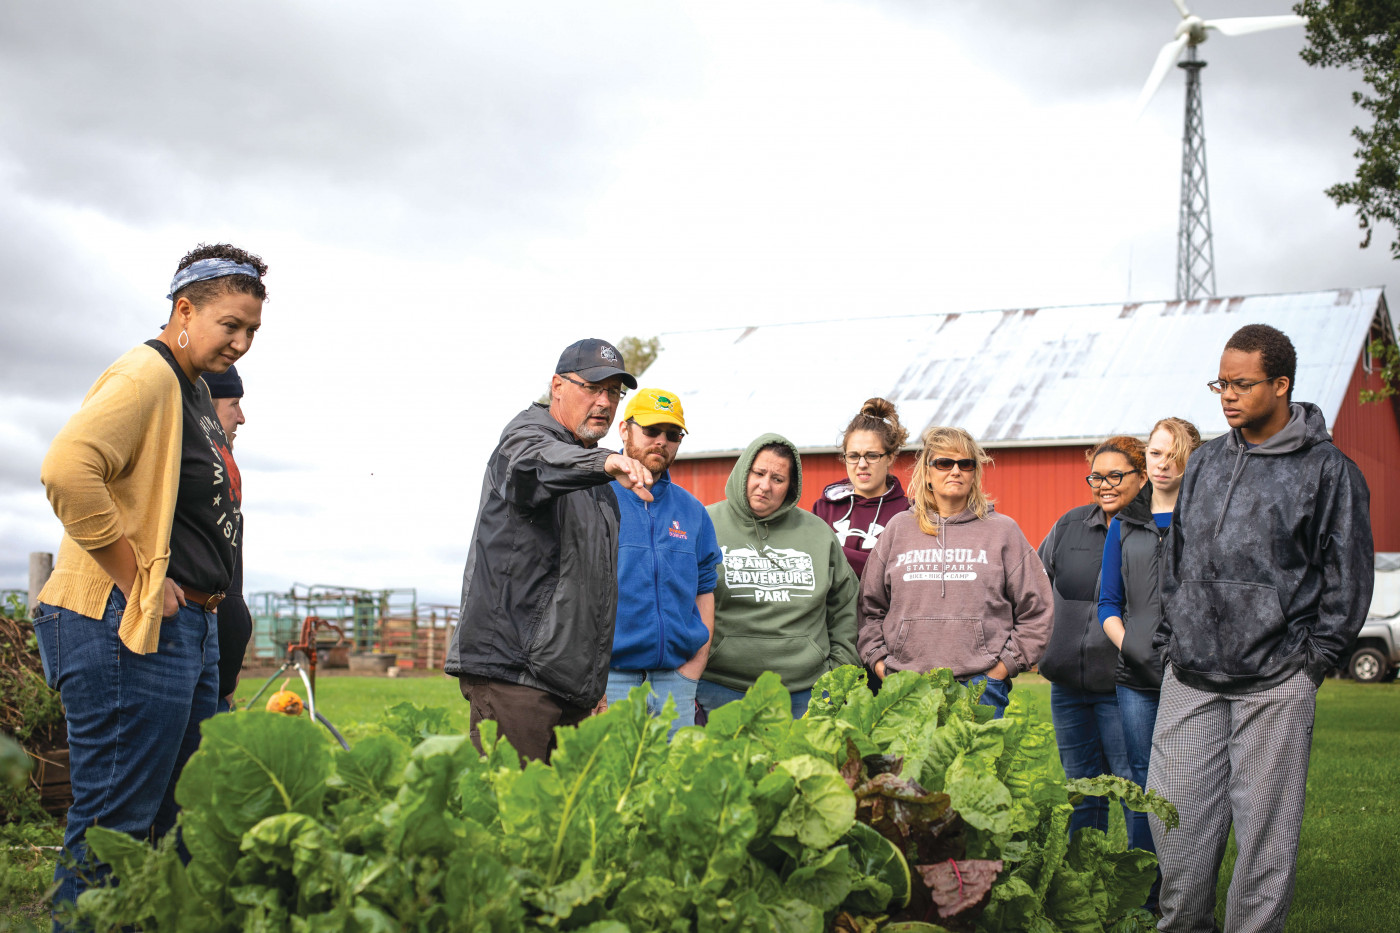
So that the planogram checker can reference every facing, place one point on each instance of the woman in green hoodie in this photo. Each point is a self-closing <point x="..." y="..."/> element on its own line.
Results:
<point x="786" y="595"/>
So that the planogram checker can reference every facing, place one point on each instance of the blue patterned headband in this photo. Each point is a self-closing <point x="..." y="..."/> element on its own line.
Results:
<point x="208" y="269"/>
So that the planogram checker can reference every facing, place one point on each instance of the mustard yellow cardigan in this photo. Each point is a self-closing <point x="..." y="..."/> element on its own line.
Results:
<point x="113" y="471"/>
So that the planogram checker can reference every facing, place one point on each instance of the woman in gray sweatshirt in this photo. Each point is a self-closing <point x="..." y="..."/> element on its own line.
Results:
<point x="952" y="583"/>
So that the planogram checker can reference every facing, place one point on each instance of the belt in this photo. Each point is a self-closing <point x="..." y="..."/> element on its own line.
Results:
<point x="206" y="601"/>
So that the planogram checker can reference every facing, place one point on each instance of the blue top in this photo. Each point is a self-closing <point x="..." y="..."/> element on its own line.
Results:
<point x="667" y="555"/>
<point x="1111" y="581"/>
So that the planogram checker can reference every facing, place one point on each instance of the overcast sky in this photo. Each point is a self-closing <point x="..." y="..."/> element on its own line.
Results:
<point x="447" y="193"/>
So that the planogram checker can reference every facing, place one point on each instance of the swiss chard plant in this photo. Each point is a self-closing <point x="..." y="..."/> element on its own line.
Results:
<point x="911" y="809"/>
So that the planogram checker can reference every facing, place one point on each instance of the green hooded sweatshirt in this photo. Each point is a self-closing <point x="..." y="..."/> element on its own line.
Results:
<point x="786" y="596"/>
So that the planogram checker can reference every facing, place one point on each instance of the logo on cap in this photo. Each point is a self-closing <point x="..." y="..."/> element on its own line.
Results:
<point x="664" y="403"/>
<point x="606" y="352"/>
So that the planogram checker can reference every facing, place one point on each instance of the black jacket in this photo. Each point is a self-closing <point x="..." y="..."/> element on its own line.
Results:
<point x="1139" y="663"/>
<point x="1269" y="565"/>
<point x="540" y="590"/>
<point x="1079" y="656"/>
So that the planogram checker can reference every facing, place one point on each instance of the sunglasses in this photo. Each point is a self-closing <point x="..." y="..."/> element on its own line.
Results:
<point x="944" y="464"/>
<point x="673" y="435"/>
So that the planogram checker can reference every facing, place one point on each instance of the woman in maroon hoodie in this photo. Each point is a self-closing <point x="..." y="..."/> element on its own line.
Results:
<point x="859" y="507"/>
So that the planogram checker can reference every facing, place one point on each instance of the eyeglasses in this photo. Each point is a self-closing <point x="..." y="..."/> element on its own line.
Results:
<point x="673" y="435"/>
<point x="592" y="388"/>
<point x="944" y="464"/>
<point x="869" y="456"/>
<point x="1218" y="386"/>
<point x="1112" y="479"/>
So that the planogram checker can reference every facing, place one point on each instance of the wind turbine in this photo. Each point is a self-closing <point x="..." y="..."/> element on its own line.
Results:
<point x="1195" y="253"/>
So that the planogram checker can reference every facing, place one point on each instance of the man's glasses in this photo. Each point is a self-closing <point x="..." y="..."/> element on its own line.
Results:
<point x="944" y="464"/>
<point x="673" y="435"/>
<point x="615" y="393"/>
<point x="1218" y="386"/>
<point x="1112" y="479"/>
<point x="869" y="456"/>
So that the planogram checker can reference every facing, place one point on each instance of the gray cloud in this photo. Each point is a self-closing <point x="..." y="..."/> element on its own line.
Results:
<point x="160" y="111"/>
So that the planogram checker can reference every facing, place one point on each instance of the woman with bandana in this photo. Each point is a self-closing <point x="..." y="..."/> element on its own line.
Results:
<point x="126" y="624"/>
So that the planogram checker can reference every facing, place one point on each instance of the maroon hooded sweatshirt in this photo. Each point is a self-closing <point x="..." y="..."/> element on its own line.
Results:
<point x="857" y="520"/>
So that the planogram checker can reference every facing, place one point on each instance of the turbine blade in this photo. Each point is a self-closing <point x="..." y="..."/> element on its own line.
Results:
<point x="1165" y="59"/>
<point x="1181" y="5"/>
<point x="1244" y="25"/>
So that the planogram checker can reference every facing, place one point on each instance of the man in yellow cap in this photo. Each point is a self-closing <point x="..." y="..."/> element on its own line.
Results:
<point x="667" y="557"/>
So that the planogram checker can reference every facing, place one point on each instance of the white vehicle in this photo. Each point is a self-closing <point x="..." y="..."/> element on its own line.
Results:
<point x="1375" y="655"/>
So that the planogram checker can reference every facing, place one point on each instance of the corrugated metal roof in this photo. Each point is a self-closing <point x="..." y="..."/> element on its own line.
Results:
<point x="1025" y="376"/>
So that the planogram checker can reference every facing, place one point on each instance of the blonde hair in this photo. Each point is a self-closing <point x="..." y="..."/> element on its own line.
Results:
<point x="954" y="439"/>
<point x="1185" y="439"/>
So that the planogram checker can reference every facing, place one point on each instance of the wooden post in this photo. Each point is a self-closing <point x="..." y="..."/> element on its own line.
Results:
<point x="40" y="568"/>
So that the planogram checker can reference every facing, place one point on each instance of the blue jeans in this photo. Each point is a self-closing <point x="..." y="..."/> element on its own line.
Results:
<point x="997" y="695"/>
<point x="711" y="696"/>
<point x="133" y="721"/>
<point x="663" y="684"/>
<point x="1089" y="732"/>
<point x="1138" y="709"/>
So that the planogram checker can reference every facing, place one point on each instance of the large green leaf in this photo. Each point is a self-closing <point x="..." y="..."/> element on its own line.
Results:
<point x="880" y="874"/>
<point x="1121" y="788"/>
<point x="823" y="807"/>
<point x="248" y="767"/>
<point x="419" y="820"/>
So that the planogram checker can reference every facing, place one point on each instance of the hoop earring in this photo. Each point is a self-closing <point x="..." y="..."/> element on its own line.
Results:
<point x="183" y="340"/>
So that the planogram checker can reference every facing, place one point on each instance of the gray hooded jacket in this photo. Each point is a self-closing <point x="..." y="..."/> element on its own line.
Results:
<point x="539" y="594"/>
<point x="1269" y="563"/>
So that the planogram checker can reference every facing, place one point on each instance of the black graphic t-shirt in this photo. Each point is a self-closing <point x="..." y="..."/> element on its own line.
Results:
<point x="208" y="523"/>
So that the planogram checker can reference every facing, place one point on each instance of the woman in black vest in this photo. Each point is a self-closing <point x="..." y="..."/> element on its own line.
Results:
<point x="1129" y="596"/>
<point x="1080" y="661"/>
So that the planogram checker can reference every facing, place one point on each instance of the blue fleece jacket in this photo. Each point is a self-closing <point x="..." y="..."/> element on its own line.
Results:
<point x="667" y="555"/>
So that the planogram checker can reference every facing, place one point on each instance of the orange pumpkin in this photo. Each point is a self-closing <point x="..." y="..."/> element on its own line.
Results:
<point x="285" y="701"/>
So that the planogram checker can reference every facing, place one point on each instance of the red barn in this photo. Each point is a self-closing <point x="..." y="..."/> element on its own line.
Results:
<point x="1036" y="386"/>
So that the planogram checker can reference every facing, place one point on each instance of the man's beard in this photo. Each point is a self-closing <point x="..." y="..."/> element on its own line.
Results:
<point x="646" y="457"/>
<point x="587" y="432"/>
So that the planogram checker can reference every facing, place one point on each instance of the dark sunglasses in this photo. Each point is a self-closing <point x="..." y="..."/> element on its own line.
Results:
<point x="673" y="435"/>
<point x="944" y="464"/>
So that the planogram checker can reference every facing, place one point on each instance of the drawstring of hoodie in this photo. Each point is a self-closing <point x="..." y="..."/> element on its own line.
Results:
<point x="943" y="548"/>
<point x="1234" y="475"/>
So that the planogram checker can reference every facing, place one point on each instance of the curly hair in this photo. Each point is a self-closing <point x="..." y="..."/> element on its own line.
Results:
<point x="958" y="441"/>
<point x="1130" y="448"/>
<point x="200" y="293"/>
<point x="1185" y="439"/>
<point x="878" y="416"/>
<point x="1275" y="350"/>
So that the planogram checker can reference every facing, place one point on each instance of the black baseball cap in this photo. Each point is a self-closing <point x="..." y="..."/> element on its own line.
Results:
<point x="595" y="360"/>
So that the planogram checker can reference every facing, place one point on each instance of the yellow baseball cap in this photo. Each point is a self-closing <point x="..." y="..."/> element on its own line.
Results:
<point x="654" y="406"/>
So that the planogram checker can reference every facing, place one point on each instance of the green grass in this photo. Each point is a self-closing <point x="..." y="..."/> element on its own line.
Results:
<point x="349" y="701"/>
<point x="1351" y="828"/>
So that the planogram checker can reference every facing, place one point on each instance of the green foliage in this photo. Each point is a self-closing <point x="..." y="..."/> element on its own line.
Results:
<point x="1364" y="35"/>
<point x="1387" y="354"/>
<point x="753" y="823"/>
<point x="639" y="354"/>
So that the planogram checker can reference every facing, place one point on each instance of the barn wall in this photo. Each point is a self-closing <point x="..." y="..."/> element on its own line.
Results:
<point x="1370" y="435"/>
<point x="1033" y="485"/>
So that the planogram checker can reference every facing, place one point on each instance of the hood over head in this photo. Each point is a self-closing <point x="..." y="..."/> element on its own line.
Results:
<point x="736" y="489"/>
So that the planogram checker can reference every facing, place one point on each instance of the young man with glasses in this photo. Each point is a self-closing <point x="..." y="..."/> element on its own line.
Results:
<point x="1266" y="580"/>
<point x="532" y="648"/>
<point x="667" y="557"/>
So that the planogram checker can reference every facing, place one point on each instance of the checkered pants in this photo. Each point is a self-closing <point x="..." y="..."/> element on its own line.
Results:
<point x="1223" y="758"/>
